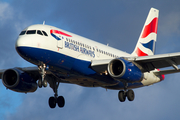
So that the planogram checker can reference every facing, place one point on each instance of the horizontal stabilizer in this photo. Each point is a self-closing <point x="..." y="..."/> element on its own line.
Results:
<point x="164" y="72"/>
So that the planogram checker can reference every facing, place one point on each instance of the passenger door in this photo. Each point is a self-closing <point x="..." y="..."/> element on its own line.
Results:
<point x="60" y="42"/>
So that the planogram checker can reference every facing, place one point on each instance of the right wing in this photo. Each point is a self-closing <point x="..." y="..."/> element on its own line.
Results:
<point x="152" y="62"/>
<point x="147" y="63"/>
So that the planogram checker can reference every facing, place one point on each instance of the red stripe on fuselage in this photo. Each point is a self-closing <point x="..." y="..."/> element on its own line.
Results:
<point x="150" y="28"/>
<point x="59" y="32"/>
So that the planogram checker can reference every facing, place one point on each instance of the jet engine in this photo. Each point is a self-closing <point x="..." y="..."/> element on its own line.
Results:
<point x="19" y="81"/>
<point x="124" y="70"/>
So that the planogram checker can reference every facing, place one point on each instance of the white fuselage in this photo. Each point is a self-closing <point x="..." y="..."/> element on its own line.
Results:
<point x="72" y="48"/>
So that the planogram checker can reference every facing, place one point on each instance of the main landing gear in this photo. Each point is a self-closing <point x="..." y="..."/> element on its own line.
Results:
<point x="53" y="100"/>
<point x="123" y="94"/>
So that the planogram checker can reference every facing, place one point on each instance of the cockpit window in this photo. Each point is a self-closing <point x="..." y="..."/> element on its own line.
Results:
<point x="44" y="33"/>
<point x="39" y="32"/>
<point x="22" y="33"/>
<point x="31" y="32"/>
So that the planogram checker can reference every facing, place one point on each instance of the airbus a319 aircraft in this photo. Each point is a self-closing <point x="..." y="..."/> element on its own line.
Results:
<point x="64" y="57"/>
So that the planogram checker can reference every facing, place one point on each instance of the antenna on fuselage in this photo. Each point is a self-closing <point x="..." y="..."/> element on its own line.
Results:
<point x="43" y="22"/>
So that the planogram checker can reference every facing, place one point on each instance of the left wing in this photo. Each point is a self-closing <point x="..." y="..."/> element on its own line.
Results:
<point x="30" y="70"/>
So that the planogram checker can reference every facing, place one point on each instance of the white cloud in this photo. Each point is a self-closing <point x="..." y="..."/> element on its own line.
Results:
<point x="6" y="11"/>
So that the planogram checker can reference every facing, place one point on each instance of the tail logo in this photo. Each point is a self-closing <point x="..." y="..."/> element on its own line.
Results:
<point x="148" y="29"/>
<point x="149" y="45"/>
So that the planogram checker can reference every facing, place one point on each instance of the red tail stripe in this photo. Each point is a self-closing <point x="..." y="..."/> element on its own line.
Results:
<point x="140" y="53"/>
<point x="150" y="28"/>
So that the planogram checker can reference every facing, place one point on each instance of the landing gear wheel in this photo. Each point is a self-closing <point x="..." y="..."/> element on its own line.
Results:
<point x="52" y="102"/>
<point x="60" y="101"/>
<point x="122" y="96"/>
<point x="44" y="83"/>
<point x="130" y="95"/>
<point x="40" y="83"/>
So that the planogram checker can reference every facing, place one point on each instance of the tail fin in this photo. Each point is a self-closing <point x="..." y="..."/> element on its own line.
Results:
<point x="146" y="42"/>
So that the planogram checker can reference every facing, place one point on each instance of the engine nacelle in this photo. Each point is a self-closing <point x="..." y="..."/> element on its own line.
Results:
<point x="124" y="70"/>
<point x="19" y="81"/>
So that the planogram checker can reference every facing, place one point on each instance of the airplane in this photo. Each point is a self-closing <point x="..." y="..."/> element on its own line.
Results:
<point x="63" y="57"/>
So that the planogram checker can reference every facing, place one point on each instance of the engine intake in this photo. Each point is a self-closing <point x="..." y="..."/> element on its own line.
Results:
<point x="19" y="81"/>
<point x="124" y="70"/>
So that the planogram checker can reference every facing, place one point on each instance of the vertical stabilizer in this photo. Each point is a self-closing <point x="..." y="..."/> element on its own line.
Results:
<point x="147" y="39"/>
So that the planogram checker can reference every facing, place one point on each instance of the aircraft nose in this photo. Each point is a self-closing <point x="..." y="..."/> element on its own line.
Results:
<point x="23" y="42"/>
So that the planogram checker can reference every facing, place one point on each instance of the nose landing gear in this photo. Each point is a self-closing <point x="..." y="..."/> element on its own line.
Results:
<point x="42" y="81"/>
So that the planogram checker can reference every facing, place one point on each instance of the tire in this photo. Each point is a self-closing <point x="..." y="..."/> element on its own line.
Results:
<point x="45" y="83"/>
<point x="121" y="96"/>
<point x="52" y="102"/>
<point x="61" y="101"/>
<point x="40" y="83"/>
<point x="130" y="95"/>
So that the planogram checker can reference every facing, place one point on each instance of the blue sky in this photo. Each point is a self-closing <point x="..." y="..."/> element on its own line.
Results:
<point x="117" y="22"/>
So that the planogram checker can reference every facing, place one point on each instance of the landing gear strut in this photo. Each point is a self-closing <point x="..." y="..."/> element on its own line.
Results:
<point x="123" y="94"/>
<point x="53" y="100"/>
<point x="42" y="81"/>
